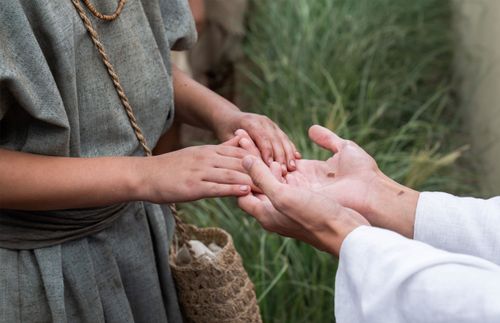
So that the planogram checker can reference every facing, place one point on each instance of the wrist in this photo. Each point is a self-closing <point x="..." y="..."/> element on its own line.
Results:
<point x="138" y="180"/>
<point x="338" y="228"/>
<point x="392" y="205"/>
<point x="226" y="121"/>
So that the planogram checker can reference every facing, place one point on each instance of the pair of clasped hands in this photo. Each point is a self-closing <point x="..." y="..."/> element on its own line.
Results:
<point x="318" y="202"/>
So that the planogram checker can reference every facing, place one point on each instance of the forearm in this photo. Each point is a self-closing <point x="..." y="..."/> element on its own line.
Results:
<point x="391" y="205"/>
<point x="196" y="105"/>
<point x="35" y="182"/>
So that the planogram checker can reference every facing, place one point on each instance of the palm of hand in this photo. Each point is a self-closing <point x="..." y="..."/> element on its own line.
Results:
<point x="345" y="177"/>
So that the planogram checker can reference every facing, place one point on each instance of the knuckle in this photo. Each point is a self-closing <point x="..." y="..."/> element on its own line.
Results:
<point x="215" y="190"/>
<point x="229" y="176"/>
<point x="349" y="143"/>
<point x="266" y="119"/>
<point x="248" y="123"/>
<point x="267" y="145"/>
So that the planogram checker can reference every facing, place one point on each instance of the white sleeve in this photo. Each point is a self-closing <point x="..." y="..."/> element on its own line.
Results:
<point x="384" y="277"/>
<point x="459" y="224"/>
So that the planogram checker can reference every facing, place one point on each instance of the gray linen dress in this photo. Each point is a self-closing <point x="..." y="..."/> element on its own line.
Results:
<point x="57" y="99"/>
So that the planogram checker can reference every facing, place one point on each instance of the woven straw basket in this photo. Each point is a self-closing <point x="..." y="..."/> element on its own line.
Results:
<point x="217" y="290"/>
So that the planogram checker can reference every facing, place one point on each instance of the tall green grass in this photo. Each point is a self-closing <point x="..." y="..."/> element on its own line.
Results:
<point x="375" y="71"/>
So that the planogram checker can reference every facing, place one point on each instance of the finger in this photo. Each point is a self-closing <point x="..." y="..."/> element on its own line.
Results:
<point x="261" y="176"/>
<point x="296" y="153"/>
<point x="242" y="133"/>
<point x="265" y="147"/>
<point x="289" y="153"/>
<point x="291" y="179"/>
<point x="279" y="155"/>
<point x="326" y="138"/>
<point x="224" y="190"/>
<point x="263" y="198"/>
<point x="252" y="205"/>
<point x="228" y="151"/>
<point x="227" y="176"/>
<point x="261" y="209"/>
<point x="277" y="171"/>
<point x="227" y="162"/>
<point x="249" y="145"/>
<point x="233" y="142"/>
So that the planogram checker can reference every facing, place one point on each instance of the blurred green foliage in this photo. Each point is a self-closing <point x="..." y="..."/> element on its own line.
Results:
<point x="374" y="71"/>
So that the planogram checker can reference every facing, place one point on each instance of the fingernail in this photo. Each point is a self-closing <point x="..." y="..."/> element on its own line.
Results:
<point x="244" y="188"/>
<point x="237" y="132"/>
<point x="269" y="161"/>
<point x="247" y="162"/>
<point x="283" y="168"/>
<point x="298" y="155"/>
<point x="292" y="163"/>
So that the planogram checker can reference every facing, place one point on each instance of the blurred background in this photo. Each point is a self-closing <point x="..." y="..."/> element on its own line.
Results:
<point x="416" y="83"/>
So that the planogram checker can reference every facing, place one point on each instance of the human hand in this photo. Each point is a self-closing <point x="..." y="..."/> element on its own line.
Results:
<point x="297" y="212"/>
<point x="196" y="172"/>
<point x="271" y="141"/>
<point x="352" y="178"/>
<point x="347" y="176"/>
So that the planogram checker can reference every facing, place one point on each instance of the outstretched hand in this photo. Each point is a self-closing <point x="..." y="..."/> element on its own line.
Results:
<point x="346" y="177"/>
<point x="197" y="172"/>
<point x="352" y="178"/>
<point x="295" y="211"/>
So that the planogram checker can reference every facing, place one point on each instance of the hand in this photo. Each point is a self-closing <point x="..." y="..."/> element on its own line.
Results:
<point x="347" y="176"/>
<point x="297" y="212"/>
<point x="353" y="179"/>
<point x="196" y="172"/>
<point x="271" y="141"/>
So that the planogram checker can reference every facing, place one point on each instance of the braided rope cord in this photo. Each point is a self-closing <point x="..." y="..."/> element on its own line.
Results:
<point x="101" y="16"/>
<point x="182" y="230"/>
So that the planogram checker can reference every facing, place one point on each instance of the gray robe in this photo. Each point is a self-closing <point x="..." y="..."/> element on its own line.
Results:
<point x="57" y="99"/>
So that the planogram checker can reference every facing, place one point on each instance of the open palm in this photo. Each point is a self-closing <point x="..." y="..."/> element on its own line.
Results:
<point x="345" y="177"/>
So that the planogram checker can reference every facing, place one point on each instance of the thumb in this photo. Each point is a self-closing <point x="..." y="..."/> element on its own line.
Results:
<point x="325" y="138"/>
<point x="261" y="175"/>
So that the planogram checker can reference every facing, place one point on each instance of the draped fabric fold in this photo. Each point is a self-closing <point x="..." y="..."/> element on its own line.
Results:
<point x="29" y="230"/>
<point x="56" y="99"/>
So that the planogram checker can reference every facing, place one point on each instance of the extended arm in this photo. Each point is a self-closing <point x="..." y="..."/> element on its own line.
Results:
<point x="198" y="106"/>
<point x="352" y="177"/>
<point x="34" y="182"/>
<point x="384" y="277"/>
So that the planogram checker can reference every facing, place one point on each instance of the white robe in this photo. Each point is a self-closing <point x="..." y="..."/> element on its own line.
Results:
<point x="449" y="273"/>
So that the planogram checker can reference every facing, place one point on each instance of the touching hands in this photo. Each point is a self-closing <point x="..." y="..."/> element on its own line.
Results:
<point x="197" y="172"/>
<point x="328" y="197"/>
<point x="271" y="141"/>
<point x="352" y="178"/>
<point x="348" y="176"/>
<point x="297" y="212"/>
